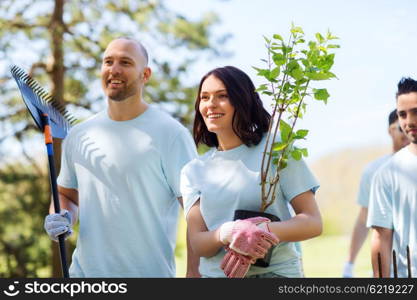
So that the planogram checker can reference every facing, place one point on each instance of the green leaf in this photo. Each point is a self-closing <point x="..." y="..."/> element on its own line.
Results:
<point x="319" y="38"/>
<point x="263" y="72"/>
<point x="297" y="29"/>
<point x="262" y="87"/>
<point x="304" y="151"/>
<point x="321" y="94"/>
<point x="319" y="75"/>
<point x="333" y="46"/>
<point x="285" y="130"/>
<point x="286" y="88"/>
<point x="278" y="59"/>
<point x="293" y="64"/>
<point x="279" y="146"/>
<point x="331" y="37"/>
<point x="274" y="73"/>
<point x="301" y="81"/>
<point x="268" y="41"/>
<point x="312" y="45"/>
<point x="302" y="133"/>
<point x="328" y="62"/>
<point x="296" y="154"/>
<point x="297" y="73"/>
<point x="278" y="37"/>
<point x="283" y="164"/>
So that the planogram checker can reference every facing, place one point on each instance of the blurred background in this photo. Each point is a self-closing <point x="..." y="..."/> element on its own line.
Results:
<point x="60" y="44"/>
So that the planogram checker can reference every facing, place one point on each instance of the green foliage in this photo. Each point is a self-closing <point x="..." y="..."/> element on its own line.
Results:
<point x="290" y="69"/>
<point x="24" y="247"/>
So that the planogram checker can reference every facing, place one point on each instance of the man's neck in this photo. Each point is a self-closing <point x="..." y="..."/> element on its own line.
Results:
<point x="127" y="109"/>
<point x="413" y="148"/>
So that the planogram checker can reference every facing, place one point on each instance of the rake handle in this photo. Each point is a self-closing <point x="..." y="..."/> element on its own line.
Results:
<point x="54" y="188"/>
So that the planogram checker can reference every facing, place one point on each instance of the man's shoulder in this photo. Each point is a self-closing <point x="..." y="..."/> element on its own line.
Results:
<point x="163" y="119"/>
<point x="374" y="165"/>
<point x="404" y="155"/>
<point x="384" y="173"/>
<point x="85" y="124"/>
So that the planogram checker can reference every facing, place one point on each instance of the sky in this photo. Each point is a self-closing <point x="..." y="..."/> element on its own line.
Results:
<point x="378" y="46"/>
<point x="378" y="41"/>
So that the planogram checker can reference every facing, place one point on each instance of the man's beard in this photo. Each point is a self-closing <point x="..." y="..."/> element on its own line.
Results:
<point x="123" y="94"/>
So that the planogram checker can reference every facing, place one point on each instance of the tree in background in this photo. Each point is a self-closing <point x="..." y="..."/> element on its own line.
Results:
<point x="60" y="43"/>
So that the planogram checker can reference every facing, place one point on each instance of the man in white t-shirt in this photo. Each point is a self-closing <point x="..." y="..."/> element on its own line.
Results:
<point x="393" y="200"/>
<point x="120" y="176"/>
<point x="360" y="231"/>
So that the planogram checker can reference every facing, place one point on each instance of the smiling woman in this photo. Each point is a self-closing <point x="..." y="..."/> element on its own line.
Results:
<point x="230" y="118"/>
<point x="228" y="112"/>
<point x="217" y="110"/>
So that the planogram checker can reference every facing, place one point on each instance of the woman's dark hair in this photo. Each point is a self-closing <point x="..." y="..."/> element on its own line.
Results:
<point x="250" y="120"/>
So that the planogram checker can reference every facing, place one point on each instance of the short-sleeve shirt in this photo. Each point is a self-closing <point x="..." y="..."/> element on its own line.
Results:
<point x="127" y="176"/>
<point x="366" y="179"/>
<point x="225" y="181"/>
<point x="393" y="205"/>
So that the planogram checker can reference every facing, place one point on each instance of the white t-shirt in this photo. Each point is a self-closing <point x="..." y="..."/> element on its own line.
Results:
<point x="225" y="181"/>
<point x="127" y="176"/>
<point x="393" y="205"/>
<point x="367" y="175"/>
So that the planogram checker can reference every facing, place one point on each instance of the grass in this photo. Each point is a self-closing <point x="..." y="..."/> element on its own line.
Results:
<point x="325" y="256"/>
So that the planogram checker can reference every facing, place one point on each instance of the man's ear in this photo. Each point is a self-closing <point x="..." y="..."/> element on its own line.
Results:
<point x="390" y="130"/>
<point x="147" y="72"/>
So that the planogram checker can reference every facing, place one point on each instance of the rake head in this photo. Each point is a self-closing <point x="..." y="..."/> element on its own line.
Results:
<point x="39" y="102"/>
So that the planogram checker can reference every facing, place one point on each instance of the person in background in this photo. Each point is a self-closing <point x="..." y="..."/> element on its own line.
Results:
<point x="393" y="201"/>
<point x="360" y="231"/>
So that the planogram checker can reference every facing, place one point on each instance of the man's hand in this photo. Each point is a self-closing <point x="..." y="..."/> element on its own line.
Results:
<point x="57" y="224"/>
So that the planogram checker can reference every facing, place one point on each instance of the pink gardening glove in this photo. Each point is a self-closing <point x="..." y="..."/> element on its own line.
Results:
<point x="236" y="265"/>
<point x="245" y="237"/>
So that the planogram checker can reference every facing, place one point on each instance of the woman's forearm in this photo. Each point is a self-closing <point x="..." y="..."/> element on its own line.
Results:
<point x="205" y="243"/>
<point x="300" y="227"/>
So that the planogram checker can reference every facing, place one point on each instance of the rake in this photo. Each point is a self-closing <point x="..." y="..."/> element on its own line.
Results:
<point x="394" y="263"/>
<point x="54" y="121"/>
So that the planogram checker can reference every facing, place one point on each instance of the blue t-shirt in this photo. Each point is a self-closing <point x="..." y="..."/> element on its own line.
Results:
<point x="393" y="205"/>
<point x="367" y="175"/>
<point x="127" y="176"/>
<point x="225" y="181"/>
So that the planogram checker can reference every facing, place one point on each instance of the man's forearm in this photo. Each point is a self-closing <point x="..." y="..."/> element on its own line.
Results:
<point x="68" y="199"/>
<point x="381" y="246"/>
<point x="359" y="234"/>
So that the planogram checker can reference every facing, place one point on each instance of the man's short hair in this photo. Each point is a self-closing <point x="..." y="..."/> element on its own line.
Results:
<point x="393" y="117"/>
<point x="406" y="85"/>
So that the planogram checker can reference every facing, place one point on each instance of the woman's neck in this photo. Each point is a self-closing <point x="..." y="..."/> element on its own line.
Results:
<point x="228" y="141"/>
